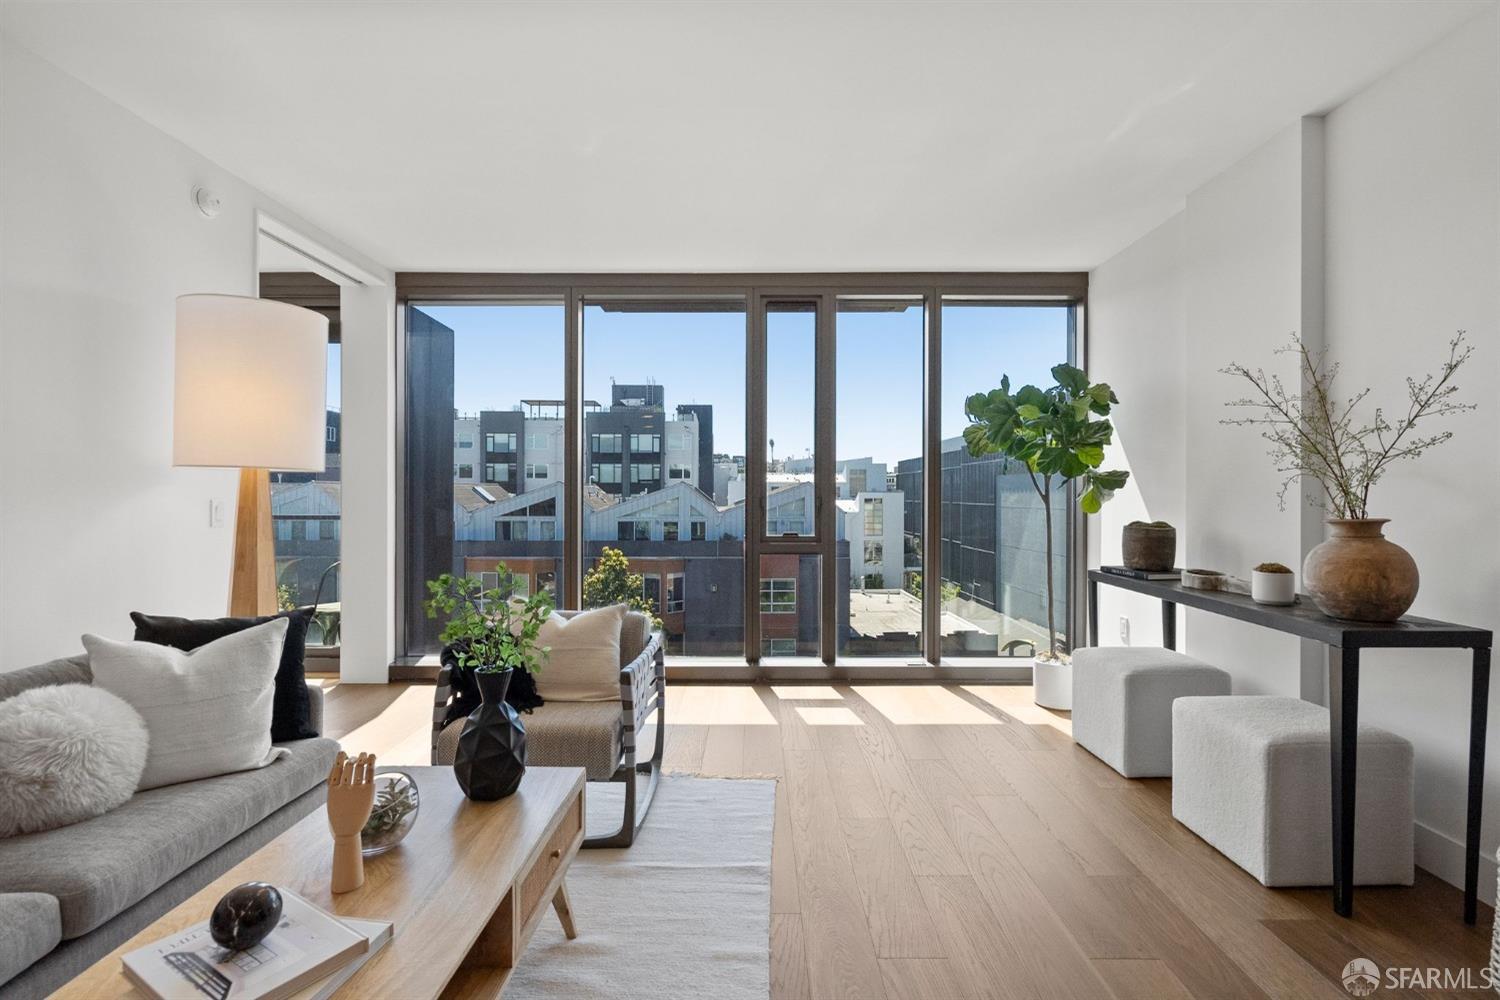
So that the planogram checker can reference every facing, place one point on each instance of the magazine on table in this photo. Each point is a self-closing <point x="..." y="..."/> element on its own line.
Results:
<point x="377" y="932"/>
<point x="308" y="946"/>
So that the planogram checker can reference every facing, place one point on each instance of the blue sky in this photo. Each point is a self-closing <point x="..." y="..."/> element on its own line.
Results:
<point x="505" y="353"/>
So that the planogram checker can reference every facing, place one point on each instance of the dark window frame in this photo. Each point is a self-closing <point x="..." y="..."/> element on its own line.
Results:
<point x="933" y="288"/>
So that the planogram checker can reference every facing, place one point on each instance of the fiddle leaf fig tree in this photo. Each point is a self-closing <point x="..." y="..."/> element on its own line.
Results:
<point x="1059" y="435"/>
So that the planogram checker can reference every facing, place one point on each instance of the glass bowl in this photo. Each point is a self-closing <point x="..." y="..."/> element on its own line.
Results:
<point x="394" y="814"/>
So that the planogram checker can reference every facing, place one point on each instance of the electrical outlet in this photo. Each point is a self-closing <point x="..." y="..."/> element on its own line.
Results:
<point x="1124" y="631"/>
<point x="216" y="513"/>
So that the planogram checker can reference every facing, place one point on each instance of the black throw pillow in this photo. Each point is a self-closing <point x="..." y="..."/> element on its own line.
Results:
<point x="521" y="694"/>
<point x="289" y="705"/>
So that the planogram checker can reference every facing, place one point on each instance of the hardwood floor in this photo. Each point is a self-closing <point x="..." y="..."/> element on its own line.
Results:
<point x="952" y="841"/>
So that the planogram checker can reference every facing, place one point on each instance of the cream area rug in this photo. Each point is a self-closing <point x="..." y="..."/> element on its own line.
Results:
<point x="683" y="912"/>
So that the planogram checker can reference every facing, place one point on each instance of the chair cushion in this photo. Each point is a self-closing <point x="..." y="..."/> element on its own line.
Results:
<point x="584" y="663"/>
<point x="29" y="929"/>
<point x="633" y="635"/>
<point x="100" y="866"/>
<point x="582" y="734"/>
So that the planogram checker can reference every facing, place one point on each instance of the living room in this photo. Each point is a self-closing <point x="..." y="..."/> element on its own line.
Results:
<point x="851" y="499"/>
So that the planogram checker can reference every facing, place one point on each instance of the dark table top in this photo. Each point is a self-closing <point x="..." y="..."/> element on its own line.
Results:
<point x="1305" y="620"/>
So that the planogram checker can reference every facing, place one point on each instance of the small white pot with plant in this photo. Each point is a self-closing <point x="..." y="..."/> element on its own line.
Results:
<point x="1058" y="436"/>
<point x="1273" y="583"/>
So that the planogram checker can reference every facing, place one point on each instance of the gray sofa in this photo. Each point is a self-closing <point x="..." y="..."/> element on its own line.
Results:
<point x="70" y="896"/>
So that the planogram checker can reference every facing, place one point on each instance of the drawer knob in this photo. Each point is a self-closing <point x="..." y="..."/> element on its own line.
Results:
<point x="556" y="853"/>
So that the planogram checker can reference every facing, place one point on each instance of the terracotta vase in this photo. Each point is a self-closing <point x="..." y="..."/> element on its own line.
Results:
<point x="1358" y="574"/>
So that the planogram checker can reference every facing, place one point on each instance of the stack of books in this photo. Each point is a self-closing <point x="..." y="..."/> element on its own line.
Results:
<point x="1143" y="574"/>
<point x="309" y="955"/>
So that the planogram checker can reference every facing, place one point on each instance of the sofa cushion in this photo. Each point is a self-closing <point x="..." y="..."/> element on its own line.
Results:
<point x="100" y="866"/>
<point x="582" y="734"/>
<point x="29" y="929"/>
<point x="208" y="710"/>
<point x="289" y="707"/>
<point x="73" y="670"/>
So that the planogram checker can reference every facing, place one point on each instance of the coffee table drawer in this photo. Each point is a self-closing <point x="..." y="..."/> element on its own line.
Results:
<point x="551" y="858"/>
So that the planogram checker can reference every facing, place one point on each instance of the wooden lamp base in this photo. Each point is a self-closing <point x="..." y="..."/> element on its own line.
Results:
<point x="252" y="579"/>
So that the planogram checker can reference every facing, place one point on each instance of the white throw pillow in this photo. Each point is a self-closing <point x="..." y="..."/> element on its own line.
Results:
<point x="68" y="752"/>
<point x="208" y="711"/>
<point x="585" y="661"/>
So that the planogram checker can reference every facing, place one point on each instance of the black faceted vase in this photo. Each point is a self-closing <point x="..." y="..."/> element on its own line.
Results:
<point x="491" y="756"/>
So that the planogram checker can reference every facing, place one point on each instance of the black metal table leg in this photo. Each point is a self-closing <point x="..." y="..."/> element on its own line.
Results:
<point x="1168" y="625"/>
<point x="1093" y="613"/>
<point x="1343" y="718"/>
<point x="1479" y="704"/>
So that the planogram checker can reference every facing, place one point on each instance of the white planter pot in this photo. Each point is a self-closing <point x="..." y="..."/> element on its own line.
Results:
<point x="1053" y="684"/>
<point x="1273" y="588"/>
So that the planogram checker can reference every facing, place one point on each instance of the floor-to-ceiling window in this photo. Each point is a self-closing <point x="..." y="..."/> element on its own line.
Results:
<point x="879" y="429"/>
<point x="307" y="507"/>
<point x="746" y="459"/>
<point x="485" y="448"/>
<point x="994" y="568"/>
<point x="664" y="457"/>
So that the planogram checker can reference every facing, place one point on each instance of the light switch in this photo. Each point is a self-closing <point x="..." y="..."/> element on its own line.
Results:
<point x="216" y="513"/>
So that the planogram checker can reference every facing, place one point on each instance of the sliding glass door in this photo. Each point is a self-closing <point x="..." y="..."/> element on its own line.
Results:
<point x="770" y="465"/>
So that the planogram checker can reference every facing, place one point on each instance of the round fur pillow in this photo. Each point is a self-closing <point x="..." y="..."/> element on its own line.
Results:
<point x="67" y="753"/>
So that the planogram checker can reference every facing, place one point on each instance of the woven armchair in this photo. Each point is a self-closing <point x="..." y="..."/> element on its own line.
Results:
<point x="598" y="736"/>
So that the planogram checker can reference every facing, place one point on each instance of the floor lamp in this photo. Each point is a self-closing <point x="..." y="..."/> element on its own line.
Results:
<point x="250" y="392"/>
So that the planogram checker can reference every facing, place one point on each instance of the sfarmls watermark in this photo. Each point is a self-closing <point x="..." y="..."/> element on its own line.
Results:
<point x="1363" y="977"/>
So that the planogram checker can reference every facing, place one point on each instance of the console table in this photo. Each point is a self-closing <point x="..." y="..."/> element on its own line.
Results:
<point x="1344" y="641"/>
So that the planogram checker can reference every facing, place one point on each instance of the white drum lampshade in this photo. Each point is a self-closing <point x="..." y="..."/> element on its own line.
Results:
<point x="251" y="384"/>
<point x="250" y="391"/>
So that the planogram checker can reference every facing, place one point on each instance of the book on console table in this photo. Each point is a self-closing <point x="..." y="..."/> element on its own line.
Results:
<point x="309" y="955"/>
<point x="1142" y="574"/>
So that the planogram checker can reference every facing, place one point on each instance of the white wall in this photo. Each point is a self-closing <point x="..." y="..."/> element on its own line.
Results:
<point x="97" y="238"/>
<point x="1414" y="255"/>
<point x="1137" y="327"/>
<point x="1377" y="231"/>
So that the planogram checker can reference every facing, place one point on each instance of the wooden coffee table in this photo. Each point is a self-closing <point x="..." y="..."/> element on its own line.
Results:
<point x="466" y="889"/>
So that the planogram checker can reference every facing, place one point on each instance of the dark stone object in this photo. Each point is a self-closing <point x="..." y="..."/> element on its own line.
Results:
<point x="1150" y="546"/>
<point x="491" y="757"/>
<point x="245" y="915"/>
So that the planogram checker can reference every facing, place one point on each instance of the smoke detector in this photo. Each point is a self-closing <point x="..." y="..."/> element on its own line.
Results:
<point x="207" y="203"/>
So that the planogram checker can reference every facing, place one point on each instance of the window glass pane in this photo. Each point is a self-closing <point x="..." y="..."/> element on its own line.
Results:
<point x="791" y="350"/>
<point x="485" y="391"/>
<point x="879" y="475"/>
<point x="664" y="386"/>
<point x="789" y="607"/>
<point x="994" y="537"/>
<point x="305" y="513"/>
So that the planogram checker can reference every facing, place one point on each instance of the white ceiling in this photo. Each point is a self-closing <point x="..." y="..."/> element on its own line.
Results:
<point x="723" y="136"/>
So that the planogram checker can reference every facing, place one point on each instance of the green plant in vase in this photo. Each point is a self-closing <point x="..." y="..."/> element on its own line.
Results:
<point x="490" y="629"/>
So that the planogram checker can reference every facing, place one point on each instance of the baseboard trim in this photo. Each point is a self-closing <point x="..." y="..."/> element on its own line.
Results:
<point x="1443" y="856"/>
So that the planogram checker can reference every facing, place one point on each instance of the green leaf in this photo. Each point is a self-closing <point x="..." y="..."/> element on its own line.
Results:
<point x="1091" y="502"/>
<point x="1027" y="411"/>
<point x="1113" y="480"/>
<point x="1072" y="380"/>
<point x="1090" y="454"/>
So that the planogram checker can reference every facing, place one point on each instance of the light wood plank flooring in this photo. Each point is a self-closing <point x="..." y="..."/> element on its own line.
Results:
<point x="952" y="841"/>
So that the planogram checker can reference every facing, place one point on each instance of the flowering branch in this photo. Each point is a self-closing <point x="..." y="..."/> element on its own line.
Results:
<point x="1312" y="433"/>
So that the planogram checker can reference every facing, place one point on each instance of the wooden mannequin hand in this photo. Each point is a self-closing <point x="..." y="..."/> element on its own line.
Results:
<point x="351" y="796"/>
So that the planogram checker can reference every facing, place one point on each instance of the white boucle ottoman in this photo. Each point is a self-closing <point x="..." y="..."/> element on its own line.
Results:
<point x="1251" y="777"/>
<point x="1122" y="703"/>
